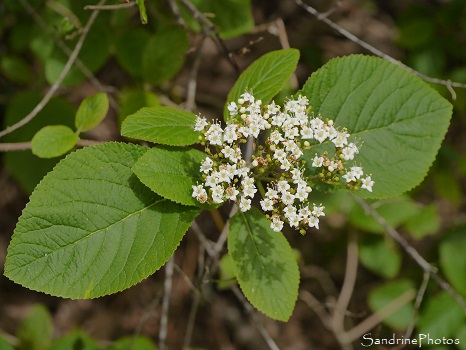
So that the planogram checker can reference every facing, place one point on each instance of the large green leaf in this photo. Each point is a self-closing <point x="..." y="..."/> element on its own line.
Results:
<point x="265" y="264"/>
<point x="92" y="228"/>
<point x="453" y="259"/>
<point x="400" y="120"/>
<point x="442" y="316"/>
<point x="171" y="172"/>
<point x="265" y="77"/>
<point x="164" y="53"/>
<point x="165" y="125"/>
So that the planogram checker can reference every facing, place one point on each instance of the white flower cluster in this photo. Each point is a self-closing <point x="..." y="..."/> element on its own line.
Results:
<point x="227" y="175"/>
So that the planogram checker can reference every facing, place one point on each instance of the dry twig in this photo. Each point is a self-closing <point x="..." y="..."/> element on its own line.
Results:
<point x="322" y="17"/>
<point x="56" y="85"/>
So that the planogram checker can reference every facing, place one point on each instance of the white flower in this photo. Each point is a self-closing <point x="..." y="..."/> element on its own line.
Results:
<point x="313" y="222"/>
<point x="306" y="133"/>
<point x="271" y="193"/>
<point x="276" y="137"/>
<point x="287" y="198"/>
<point x="230" y="133"/>
<point x="318" y="211"/>
<point x="249" y="191"/>
<point x="357" y="171"/>
<point x="206" y="165"/>
<point x="244" y="204"/>
<point x="266" y="204"/>
<point x="200" y="124"/>
<point x="317" y="162"/>
<point x="320" y="134"/>
<point x="276" y="224"/>
<point x="367" y="183"/>
<point x="231" y="193"/>
<point x="198" y="191"/>
<point x="233" y="108"/>
<point x="247" y="97"/>
<point x="283" y="186"/>
<point x="217" y="194"/>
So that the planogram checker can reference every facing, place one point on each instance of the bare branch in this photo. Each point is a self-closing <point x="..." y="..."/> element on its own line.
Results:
<point x="25" y="146"/>
<point x="373" y="320"/>
<point x="347" y="289"/>
<point x="211" y="31"/>
<point x="411" y="251"/>
<point x="81" y="66"/>
<point x="110" y="7"/>
<point x="321" y="17"/>
<point x="60" y="79"/>
<point x="192" y="83"/>
<point x="167" y="289"/>
<point x="256" y="321"/>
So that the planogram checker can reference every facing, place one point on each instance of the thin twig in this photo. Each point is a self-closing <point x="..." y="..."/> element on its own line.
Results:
<point x="377" y="317"/>
<point x="176" y="11"/>
<point x="167" y="289"/>
<point x="60" y="79"/>
<point x="347" y="289"/>
<point x="210" y="30"/>
<point x="197" y="297"/>
<point x="192" y="83"/>
<point x="256" y="321"/>
<point x="110" y="7"/>
<point x="321" y="17"/>
<point x="25" y="146"/>
<point x="417" y="305"/>
<point x="411" y="251"/>
<point x="81" y="66"/>
<point x="317" y="307"/>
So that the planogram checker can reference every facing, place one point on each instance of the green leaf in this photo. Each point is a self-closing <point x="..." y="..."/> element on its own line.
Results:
<point x="164" y="53"/>
<point x="91" y="112"/>
<point x="133" y="343"/>
<point x="91" y="228"/>
<point x="142" y="11"/>
<point x="164" y="125"/>
<point x="75" y="340"/>
<point x="453" y="259"/>
<point x="35" y="332"/>
<point x="442" y="316"/>
<point x="129" y="46"/>
<point x="383" y="295"/>
<point x="380" y="256"/>
<point x="265" y="264"/>
<point x="399" y="119"/>
<point x="171" y="172"/>
<point x="265" y="77"/>
<point x="19" y="164"/>
<point x="53" y="141"/>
